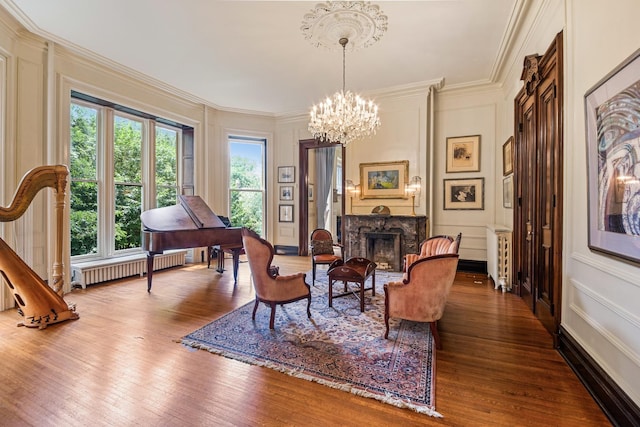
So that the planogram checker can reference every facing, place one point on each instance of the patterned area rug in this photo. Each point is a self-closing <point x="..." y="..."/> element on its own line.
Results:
<point x="339" y="347"/>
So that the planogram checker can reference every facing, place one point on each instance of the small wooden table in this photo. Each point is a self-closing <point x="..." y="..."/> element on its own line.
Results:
<point x="356" y="270"/>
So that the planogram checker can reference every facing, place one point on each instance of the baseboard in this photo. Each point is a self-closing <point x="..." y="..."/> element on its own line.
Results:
<point x="471" y="266"/>
<point x="615" y="403"/>
<point x="285" y="250"/>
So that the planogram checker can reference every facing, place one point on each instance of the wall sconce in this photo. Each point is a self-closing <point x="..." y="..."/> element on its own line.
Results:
<point x="413" y="188"/>
<point x="352" y="189"/>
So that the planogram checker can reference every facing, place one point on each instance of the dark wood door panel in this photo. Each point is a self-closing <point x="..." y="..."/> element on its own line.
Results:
<point x="538" y="186"/>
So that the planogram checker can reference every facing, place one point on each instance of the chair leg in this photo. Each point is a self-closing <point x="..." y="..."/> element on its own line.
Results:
<point x="273" y="315"/>
<point x="313" y="274"/>
<point x="386" y="323"/>
<point x="255" y="308"/>
<point x="309" y="306"/>
<point x="436" y="336"/>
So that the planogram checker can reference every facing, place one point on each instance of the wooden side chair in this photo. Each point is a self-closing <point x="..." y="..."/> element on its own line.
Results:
<point x="270" y="287"/>
<point x="323" y="249"/>
<point x="422" y="295"/>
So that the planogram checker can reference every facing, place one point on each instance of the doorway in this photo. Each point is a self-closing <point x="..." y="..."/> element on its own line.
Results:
<point x="538" y="186"/>
<point x="321" y="192"/>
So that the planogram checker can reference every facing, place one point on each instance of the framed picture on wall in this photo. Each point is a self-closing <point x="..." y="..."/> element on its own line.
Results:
<point x="612" y="109"/>
<point x="507" y="192"/>
<point x="467" y="194"/>
<point x="310" y="193"/>
<point x="507" y="157"/>
<point x="286" y="192"/>
<point x="286" y="174"/>
<point x="385" y="180"/>
<point x="463" y="154"/>
<point x="286" y="213"/>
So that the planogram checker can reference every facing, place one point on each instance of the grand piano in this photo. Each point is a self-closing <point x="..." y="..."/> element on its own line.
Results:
<point x="189" y="224"/>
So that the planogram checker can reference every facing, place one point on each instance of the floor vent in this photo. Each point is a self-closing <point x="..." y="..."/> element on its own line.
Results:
<point x="91" y="272"/>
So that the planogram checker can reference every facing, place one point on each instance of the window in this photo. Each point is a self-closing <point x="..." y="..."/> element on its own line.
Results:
<point x="121" y="164"/>
<point x="247" y="182"/>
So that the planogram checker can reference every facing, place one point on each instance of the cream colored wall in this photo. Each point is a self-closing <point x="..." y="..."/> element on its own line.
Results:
<point x="462" y="113"/>
<point x="601" y="298"/>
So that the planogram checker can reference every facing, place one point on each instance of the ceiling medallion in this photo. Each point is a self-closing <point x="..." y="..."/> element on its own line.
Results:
<point x="362" y="23"/>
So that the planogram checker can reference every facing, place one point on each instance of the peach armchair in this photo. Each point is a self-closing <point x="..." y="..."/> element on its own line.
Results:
<point x="271" y="288"/>
<point x="422" y="296"/>
<point x="435" y="245"/>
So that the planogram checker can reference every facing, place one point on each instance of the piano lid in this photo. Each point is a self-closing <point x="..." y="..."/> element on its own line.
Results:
<point x="192" y="213"/>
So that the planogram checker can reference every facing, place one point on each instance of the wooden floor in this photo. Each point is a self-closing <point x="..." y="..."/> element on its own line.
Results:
<point x="120" y="364"/>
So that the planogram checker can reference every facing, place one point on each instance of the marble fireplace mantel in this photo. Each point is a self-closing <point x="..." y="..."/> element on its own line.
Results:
<point x="384" y="238"/>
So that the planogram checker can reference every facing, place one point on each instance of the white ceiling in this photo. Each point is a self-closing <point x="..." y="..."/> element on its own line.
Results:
<point x="252" y="55"/>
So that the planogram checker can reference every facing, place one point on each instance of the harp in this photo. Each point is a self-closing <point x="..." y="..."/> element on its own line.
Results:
<point x="40" y="304"/>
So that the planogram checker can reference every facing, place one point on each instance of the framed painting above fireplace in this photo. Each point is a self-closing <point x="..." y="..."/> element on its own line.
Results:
<point x="384" y="180"/>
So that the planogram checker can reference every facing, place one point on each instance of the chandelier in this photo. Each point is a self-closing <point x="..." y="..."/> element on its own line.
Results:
<point x="345" y="116"/>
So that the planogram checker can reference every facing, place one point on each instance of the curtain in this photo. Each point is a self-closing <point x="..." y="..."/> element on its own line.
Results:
<point x="324" y="174"/>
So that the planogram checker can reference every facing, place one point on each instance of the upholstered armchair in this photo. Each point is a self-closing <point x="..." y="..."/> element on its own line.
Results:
<point x="323" y="249"/>
<point x="422" y="296"/>
<point x="435" y="245"/>
<point x="271" y="288"/>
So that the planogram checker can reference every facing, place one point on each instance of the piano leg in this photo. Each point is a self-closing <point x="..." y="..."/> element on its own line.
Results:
<point x="149" y="270"/>
<point x="236" y="263"/>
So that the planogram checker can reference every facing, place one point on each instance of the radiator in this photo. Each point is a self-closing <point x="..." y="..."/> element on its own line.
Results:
<point x="91" y="272"/>
<point x="499" y="256"/>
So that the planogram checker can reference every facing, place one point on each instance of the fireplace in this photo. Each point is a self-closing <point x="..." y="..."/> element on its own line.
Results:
<point x="384" y="238"/>
<point x="384" y="249"/>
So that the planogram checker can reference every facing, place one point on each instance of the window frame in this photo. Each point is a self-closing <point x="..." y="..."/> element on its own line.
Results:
<point x="106" y="184"/>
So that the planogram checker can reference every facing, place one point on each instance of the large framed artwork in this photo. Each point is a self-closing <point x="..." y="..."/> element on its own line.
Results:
<point x="463" y="154"/>
<point x="386" y="180"/>
<point x="612" y="109"/>
<point x="464" y="194"/>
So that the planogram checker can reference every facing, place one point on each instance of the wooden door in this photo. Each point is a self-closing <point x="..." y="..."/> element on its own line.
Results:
<point x="538" y="186"/>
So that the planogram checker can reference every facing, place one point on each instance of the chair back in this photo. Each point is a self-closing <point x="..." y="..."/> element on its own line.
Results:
<point x="438" y="245"/>
<point x="321" y="242"/>
<point x="259" y="255"/>
<point x="426" y="289"/>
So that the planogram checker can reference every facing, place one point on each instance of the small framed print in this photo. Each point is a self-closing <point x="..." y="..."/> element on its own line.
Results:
<point x="286" y="174"/>
<point x="286" y="213"/>
<point x="467" y="194"/>
<point x="310" y="192"/>
<point x="463" y="154"/>
<point x="507" y="192"/>
<point x="286" y="192"/>
<point x="507" y="157"/>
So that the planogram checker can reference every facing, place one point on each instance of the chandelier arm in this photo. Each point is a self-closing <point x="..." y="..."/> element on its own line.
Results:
<point x="344" y="62"/>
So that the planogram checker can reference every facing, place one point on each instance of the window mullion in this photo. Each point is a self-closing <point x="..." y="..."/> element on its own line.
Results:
<point x="107" y="192"/>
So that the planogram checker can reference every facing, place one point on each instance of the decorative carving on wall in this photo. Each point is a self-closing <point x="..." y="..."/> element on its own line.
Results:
<point x="531" y="73"/>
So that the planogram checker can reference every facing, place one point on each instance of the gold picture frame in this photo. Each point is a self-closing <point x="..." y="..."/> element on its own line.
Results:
<point x="507" y="157"/>
<point x="384" y="180"/>
<point x="463" y="154"/>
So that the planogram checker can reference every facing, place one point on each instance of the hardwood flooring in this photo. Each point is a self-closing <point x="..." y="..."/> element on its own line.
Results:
<point x="120" y="364"/>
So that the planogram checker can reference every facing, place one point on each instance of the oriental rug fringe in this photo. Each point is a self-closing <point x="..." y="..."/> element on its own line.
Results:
<point x="339" y="347"/>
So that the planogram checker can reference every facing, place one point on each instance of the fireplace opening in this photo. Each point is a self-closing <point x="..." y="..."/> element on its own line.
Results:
<point x="383" y="248"/>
